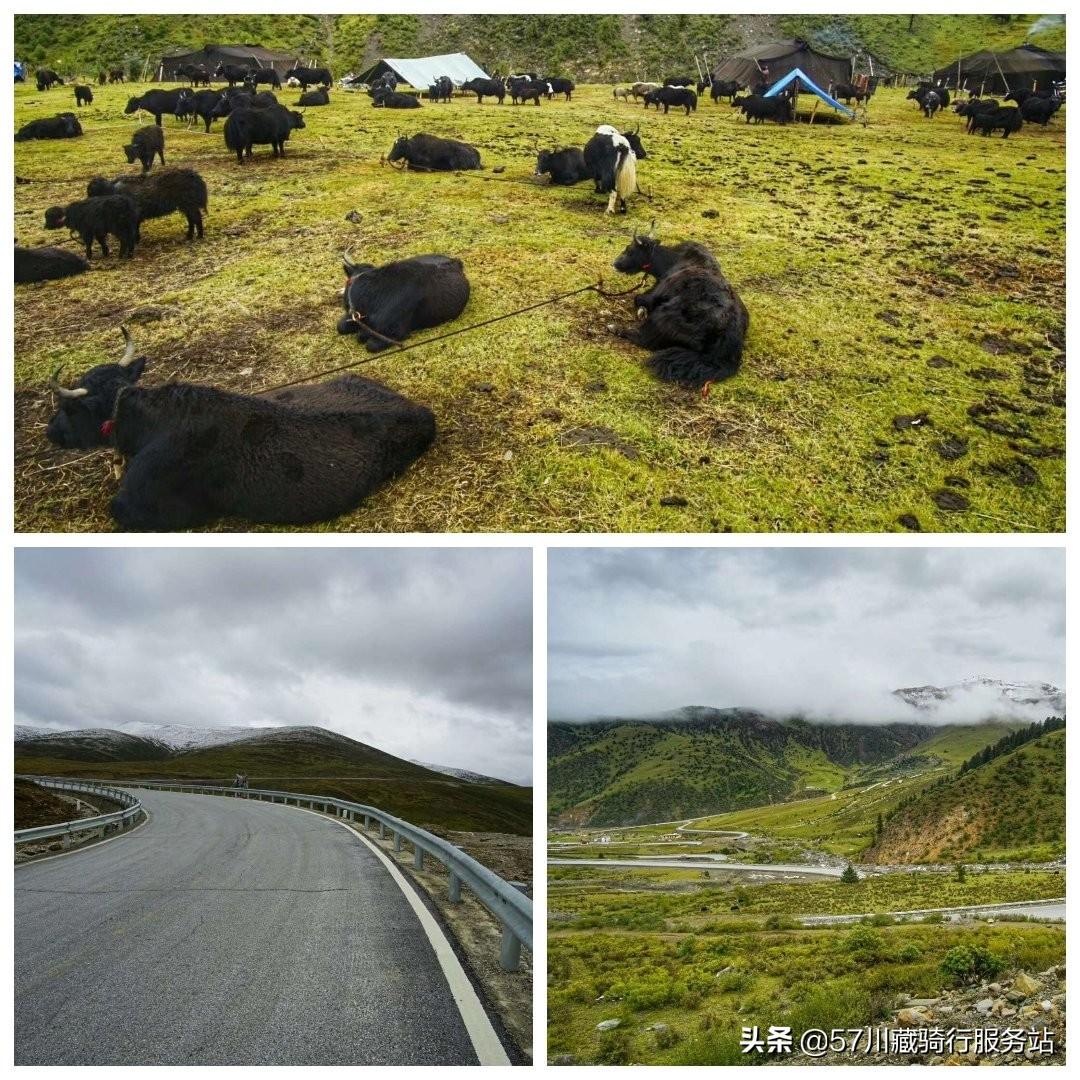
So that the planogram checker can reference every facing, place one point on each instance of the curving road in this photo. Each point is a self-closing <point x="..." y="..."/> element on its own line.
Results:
<point x="230" y="932"/>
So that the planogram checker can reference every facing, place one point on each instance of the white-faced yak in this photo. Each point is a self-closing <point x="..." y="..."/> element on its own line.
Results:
<point x="400" y="297"/>
<point x="692" y="319"/>
<point x="194" y="454"/>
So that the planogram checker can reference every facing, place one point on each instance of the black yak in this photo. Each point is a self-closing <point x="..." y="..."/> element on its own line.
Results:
<point x="391" y="99"/>
<point x="157" y="102"/>
<point x="314" y="97"/>
<point x="561" y="86"/>
<point x="430" y="153"/>
<point x="46" y="264"/>
<point x="442" y="89"/>
<point x="62" y="126"/>
<point x="726" y="89"/>
<point x="232" y="73"/>
<point x="565" y="167"/>
<point x="84" y="95"/>
<point x="250" y="127"/>
<point x="400" y="297"/>
<point x="306" y="77"/>
<point x="483" y="88"/>
<point x="47" y="78"/>
<point x="692" y="319"/>
<point x="612" y="163"/>
<point x="1004" y="120"/>
<point x="202" y="104"/>
<point x="681" y="98"/>
<point x="260" y="76"/>
<point x="145" y="144"/>
<point x="97" y="218"/>
<point x="195" y="454"/>
<point x="169" y="191"/>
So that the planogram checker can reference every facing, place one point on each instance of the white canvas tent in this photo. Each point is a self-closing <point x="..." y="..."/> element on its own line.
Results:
<point x="422" y="71"/>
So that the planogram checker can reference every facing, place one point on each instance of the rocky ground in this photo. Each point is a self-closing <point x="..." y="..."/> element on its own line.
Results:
<point x="1023" y="1002"/>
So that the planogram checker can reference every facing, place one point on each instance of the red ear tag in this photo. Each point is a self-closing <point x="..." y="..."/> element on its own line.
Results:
<point x="107" y="428"/>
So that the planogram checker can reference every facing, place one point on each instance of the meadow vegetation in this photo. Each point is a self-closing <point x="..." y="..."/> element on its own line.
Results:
<point x="904" y="367"/>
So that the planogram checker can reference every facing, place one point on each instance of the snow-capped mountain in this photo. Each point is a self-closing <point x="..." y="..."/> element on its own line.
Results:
<point x="998" y="696"/>
<point x="458" y="774"/>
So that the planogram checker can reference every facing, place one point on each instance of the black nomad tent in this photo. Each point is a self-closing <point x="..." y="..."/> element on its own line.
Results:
<point x="209" y="56"/>
<point x="770" y="62"/>
<point x="1027" y="67"/>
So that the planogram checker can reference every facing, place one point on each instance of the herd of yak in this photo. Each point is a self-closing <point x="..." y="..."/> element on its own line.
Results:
<point x="986" y="115"/>
<point x="308" y="453"/>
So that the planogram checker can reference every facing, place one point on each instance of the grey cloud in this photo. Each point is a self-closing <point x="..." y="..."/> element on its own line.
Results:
<point x="426" y="653"/>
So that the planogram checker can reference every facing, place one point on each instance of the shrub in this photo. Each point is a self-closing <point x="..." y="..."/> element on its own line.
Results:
<point x="614" y="1048"/>
<point x="909" y="954"/>
<point x="969" y="963"/>
<point x="865" y="945"/>
<point x="850" y="876"/>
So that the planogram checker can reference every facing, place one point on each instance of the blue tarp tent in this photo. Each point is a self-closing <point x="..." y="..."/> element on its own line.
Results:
<point x="422" y="71"/>
<point x="20" y="71"/>
<point x="808" y="84"/>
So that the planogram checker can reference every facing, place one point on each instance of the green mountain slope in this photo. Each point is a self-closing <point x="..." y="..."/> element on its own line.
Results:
<point x="320" y="763"/>
<point x="714" y="760"/>
<point x="1012" y="808"/>
<point x="591" y="47"/>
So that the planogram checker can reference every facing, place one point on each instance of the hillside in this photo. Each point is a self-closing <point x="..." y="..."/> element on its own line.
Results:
<point x="710" y="761"/>
<point x="590" y="47"/>
<point x="302" y="759"/>
<point x="1011" y="808"/>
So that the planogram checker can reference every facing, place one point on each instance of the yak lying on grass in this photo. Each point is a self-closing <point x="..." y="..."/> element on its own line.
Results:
<point x="565" y="167"/>
<point x="314" y="97"/>
<point x="46" y="264"/>
<point x="391" y="99"/>
<point x="159" y="194"/>
<point x="400" y="297"/>
<point x="429" y="153"/>
<point x="692" y="319"/>
<point x="195" y="454"/>
<point x="97" y="218"/>
<point x="145" y="144"/>
<point x="62" y="126"/>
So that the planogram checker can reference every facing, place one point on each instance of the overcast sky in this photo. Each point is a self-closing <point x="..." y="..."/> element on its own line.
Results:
<point x="424" y="653"/>
<point x="829" y="631"/>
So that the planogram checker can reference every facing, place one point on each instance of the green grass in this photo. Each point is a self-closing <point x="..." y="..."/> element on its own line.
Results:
<point x="366" y="775"/>
<point x="706" y="986"/>
<point x="868" y="257"/>
<point x="595" y="898"/>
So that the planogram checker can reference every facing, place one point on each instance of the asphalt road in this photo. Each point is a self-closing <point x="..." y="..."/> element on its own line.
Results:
<point x="227" y="932"/>
<point x="1046" y="910"/>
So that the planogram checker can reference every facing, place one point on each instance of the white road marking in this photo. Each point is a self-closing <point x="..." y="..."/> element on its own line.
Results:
<point x="489" y="1048"/>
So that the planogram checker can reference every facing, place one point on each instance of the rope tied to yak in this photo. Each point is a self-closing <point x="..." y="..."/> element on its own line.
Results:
<point x="400" y="346"/>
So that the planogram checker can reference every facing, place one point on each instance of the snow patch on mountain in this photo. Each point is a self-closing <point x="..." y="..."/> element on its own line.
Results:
<point x="458" y="774"/>
<point x="981" y="698"/>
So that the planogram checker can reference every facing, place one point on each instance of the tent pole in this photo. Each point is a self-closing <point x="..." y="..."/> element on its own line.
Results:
<point x="1008" y="89"/>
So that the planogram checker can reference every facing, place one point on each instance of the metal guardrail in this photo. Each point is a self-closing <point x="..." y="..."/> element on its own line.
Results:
<point x="508" y="904"/>
<point x="115" y="821"/>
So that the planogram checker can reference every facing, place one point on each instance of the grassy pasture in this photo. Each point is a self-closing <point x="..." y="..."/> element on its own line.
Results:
<point x="891" y="271"/>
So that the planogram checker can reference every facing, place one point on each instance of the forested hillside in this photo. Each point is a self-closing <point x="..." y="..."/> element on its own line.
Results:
<point x="588" y="47"/>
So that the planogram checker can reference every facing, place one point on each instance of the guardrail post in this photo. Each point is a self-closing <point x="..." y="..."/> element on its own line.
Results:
<point x="455" y="888"/>
<point x="397" y="841"/>
<point x="382" y="830"/>
<point x="510" y="955"/>
<point x="367" y="822"/>
<point x="418" y="857"/>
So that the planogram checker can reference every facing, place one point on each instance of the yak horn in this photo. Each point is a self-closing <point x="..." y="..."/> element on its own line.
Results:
<point x="129" y="348"/>
<point x="652" y="228"/>
<point x="63" y="391"/>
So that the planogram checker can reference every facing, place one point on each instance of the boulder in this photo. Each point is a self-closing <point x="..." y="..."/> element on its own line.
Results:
<point x="608" y="1025"/>
<point x="1026" y="984"/>
<point x="914" y="1017"/>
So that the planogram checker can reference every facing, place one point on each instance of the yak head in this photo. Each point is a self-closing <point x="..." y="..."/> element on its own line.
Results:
<point x="132" y="153"/>
<point x="84" y="414"/>
<point x="543" y="161"/>
<point x="131" y="106"/>
<point x="634" y="140"/>
<point x="399" y="150"/>
<point x="637" y="256"/>
<point x="55" y="217"/>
